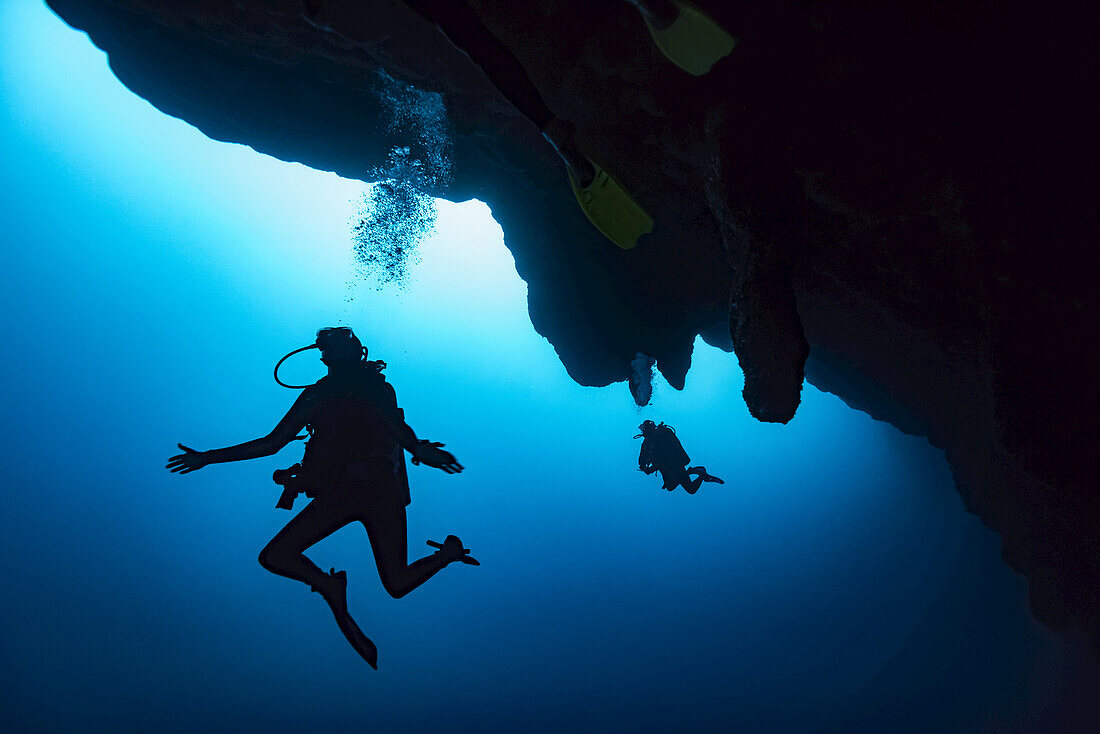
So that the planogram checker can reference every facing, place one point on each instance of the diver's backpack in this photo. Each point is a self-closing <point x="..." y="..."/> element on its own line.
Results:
<point x="667" y="450"/>
<point x="347" y="425"/>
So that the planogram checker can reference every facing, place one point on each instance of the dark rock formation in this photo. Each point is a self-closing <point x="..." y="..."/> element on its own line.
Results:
<point x="901" y="190"/>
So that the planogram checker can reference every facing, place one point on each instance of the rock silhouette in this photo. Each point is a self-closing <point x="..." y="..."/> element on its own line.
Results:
<point x="898" y="195"/>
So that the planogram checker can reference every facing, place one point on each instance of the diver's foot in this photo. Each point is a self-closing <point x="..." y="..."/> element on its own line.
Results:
<point x="333" y="588"/>
<point x="703" y="474"/>
<point x="355" y="637"/>
<point x="609" y="206"/>
<point x="690" y="38"/>
<point x="451" y="550"/>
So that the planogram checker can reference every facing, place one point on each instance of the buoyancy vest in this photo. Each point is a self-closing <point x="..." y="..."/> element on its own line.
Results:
<point x="663" y="449"/>
<point x="353" y="420"/>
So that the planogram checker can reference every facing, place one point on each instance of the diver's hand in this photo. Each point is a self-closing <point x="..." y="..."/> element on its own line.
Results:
<point x="187" y="462"/>
<point x="432" y="454"/>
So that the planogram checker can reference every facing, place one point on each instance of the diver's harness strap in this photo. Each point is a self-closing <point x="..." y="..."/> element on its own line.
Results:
<point x="293" y="479"/>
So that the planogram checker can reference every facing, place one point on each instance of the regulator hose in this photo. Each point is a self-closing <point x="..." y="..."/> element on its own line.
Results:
<point x="285" y="358"/>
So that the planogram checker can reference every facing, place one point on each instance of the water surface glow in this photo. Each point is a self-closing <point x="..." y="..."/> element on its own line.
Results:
<point x="835" y="583"/>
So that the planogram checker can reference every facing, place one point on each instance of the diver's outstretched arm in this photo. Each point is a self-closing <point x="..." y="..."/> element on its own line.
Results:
<point x="423" y="452"/>
<point x="191" y="460"/>
<point x="432" y="454"/>
<point x="426" y="452"/>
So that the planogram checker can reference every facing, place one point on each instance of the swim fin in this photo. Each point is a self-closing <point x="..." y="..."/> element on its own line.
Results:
<point x="455" y="547"/>
<point x="704" y="475"/>
<point x="359" y="642"/>
<point x="611" y="209"/>
<point x="694" y="42"/>
<point x="336" y="597"/>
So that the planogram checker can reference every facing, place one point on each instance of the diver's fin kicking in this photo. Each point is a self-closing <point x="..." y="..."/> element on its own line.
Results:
<point x="452" y="546"/>
<point x="611" y="209"/>
<point x="693" y="41"/>
<point x="335" y="593"/>
<point x="603" y="200"/>
<point x="704" y="476"/>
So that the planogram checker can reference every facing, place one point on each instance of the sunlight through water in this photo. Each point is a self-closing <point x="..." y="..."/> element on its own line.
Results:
<point x="154" y="278"/>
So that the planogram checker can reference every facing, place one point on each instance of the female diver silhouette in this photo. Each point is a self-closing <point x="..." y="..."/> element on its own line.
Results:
<point x="354" y="469"/>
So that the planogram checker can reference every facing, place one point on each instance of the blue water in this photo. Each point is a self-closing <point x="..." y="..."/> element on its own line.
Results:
<point x="153" y="277"/>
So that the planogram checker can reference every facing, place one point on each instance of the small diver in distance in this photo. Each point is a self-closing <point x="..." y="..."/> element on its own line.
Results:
<point x="662" y="452"/>
<point x="354" y="471"/>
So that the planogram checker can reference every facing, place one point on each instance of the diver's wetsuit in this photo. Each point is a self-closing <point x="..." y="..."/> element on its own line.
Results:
<point x="354" y="470"/>
<point x="661" y="451"/>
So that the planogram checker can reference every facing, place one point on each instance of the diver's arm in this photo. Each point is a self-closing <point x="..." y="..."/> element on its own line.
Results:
<point x="404" y="434"/>
<point x="423" y="452"/>
<point x="272" y="443"/>
<point x="394" y="418"/>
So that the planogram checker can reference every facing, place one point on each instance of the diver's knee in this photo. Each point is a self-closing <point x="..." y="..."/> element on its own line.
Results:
<point x="270" y="558"/>
<point x="394" y="590"/>
<point x="265" y="558"/>
<point x="394" y="584"/>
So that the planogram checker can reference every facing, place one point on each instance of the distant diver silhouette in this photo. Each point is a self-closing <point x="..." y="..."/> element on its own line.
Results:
<point x="354" y="471"/>
<point x="606" y="203"/>
<point x="661" y="451"/>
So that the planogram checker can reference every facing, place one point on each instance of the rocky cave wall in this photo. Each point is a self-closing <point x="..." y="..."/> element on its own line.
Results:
<point x="899" y="190"/>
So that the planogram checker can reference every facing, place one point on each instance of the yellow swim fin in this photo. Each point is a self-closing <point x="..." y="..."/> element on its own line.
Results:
<point x="693" y="42"/>
<point x="614" y="212"/>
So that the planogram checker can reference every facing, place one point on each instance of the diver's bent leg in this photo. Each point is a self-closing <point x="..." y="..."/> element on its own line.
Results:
<point x="563" y="137"/>
<point x="689" y="484"/>
<point x="693" y="485"/>
<point x="389" y="540"/>
<point x="704" y="475"/>
<point x="283" y="555"/>
<point x="464" y="28"/>
<point x="683" y="479"/>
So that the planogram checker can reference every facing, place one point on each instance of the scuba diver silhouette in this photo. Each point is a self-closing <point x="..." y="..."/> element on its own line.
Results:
<point x="661" y="451"/>
<point x="354" y="471"/>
